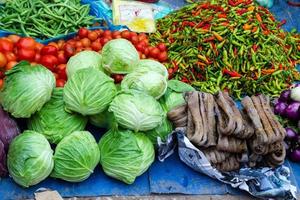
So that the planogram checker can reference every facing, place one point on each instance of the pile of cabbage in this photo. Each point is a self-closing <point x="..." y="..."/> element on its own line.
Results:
<point x="56" y="142"/>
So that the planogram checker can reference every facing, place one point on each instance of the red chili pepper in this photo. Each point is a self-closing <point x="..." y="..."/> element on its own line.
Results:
<point x="241" y="11"/>
<point x="280" y="66"/>
<point x="192" y="24"/>
<point x="248" y="2"/>
<point x="185" y="23"/>
<point x="222" y="15"/>
<point x="263" y="27"/>
<point x="185" y="80"/>
<point x="231" y="73"/>
<point x="282" y="23"/>
<point x="211" y="38"/>
<point x="206" y="26"/>
<point x="254" y="47"/>
<point x="175" y="66"/>
<point x="200" y="24"/>
<point x="204" y="6"/>
<point x="235" y="51"/>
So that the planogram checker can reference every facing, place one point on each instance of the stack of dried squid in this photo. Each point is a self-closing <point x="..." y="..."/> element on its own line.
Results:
<point x="230" y="137"/>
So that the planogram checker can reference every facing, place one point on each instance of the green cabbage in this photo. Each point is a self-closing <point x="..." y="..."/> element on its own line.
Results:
<point x="136" y="111"/>
<point x="30" y="158"/>
<point x="54" y="122"/>
<point x="84" y="59"/>
<point x="161" y="131"/>
<point x="102" y="120"/>
<point x="152" y="65"/>
<point x="149" y="82"/>
<point x="75" y="157"/>
<point x="174" y="94"/>
<point x="125" y="155"/>
<point x="27" y="88"/>
<point x="119" y="56"/>
<point x="89" y="91"/>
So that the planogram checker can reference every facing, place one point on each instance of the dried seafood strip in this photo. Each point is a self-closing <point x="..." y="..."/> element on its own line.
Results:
<point x="231" y="144"/>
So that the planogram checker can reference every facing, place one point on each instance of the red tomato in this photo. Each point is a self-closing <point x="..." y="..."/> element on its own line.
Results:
<point x="86" y="42"/>
<point x="2" y="74"/>
<point x="96" y="46"/>
<point x="163" y="56"/>
<point x="49" y="50"/>
<point x="60" y="83"/>
<point x="1" y="83"/>
<point x="146" y="51"/>
<point x="38" y="47"/>
<point x="78" y="44"/>
<point x="53" y="44"/>
<point x="26" y="54"/>
<point x="116" y="34"/>
<point x="143" y="43"/>
<point x="71" y="42"/>
<point x="49" y="61"/>
<point x="33" y="63"/>
<point x="61" y="57"/>
<point x="26" y="43"/>
<point x="125" y="34"/>
<point x="132" y="34"/>
<point x="99" y="32"/>
<point x="69" y="50"/>
<point x="93" y="36"/>
<point x="60" y="44"/>
<point x="83" y="32"/>
<point x="37" y="58"/>
<point x="142" y="36"/>
<point x="162" y="47"/>
<point x="118" y="78"/>
<point x="6" y="45"/>
<point x="154" y="52"/>
<point x="55" y="75"/>
<point x="104" y="40"/>
<point x="61" y="71"/>
<point x="14" y="38"/>
<point x="135" y="39"/>
<point x="3" y="60"/>
<point x="79" y="49"/>
<point x="107" y="33"/>
<point x="10" y="56"/>
<point x="10" y="65"/>
<point x="139" y="47"/>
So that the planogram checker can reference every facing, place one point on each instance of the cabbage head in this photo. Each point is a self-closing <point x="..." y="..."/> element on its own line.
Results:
<point x="125" y="155"/>
<point x="54" y="122"/>
<point x="27" y="88"/>
<point x="89" y="91"/>
<point x="136" y="111"/>
<point x="102" y="120"/>
<point x="82" y="60"/>
<point x="150" y="82"/>
<point x="75" y="157"/>
<point x="30" y="158"/>
<point x="119" y="56"/>
<point x="152" y="65"/>
<point x="174" y="94"/>
<point x="161" y="131"/>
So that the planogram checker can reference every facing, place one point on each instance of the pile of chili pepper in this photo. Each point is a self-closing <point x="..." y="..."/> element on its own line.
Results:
<point x="235" y="45"/>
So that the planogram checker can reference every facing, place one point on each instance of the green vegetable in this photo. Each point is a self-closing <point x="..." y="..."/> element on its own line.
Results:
<point x="150" y="82"/>
<point x="84" y="59"/>
<point x="30" y="158"/>
<point x="54" y="122"/>
<point x="75" y="157"/>
<point x="136" y="111"/>
<point x="174" y="94"/>
<point x="26" y="89"/>
<point x="89" y="91"/>
<point x="125" y="155"/>
<point x="161" y="131"/>
<point x="152" y="65"/>
<point x="102" y="120"/>
<point x="119" y="56"/>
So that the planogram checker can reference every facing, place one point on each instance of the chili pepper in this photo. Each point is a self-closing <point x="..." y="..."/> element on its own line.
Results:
<point x="241" y="11"/>
<point x="258" y="17"/>
<point x="247" y="27"/>
<point x="254" y="47"/>
<point x="222" y="15"/>
<point x="254" y="29"/>
<point x="282" y="23"/>
<point x="263" y="26"/>
<point x="211" y="38"/>
<point x="248" y="2"/>
<point x="217" y="36"/>
<point x="231" y="73"/>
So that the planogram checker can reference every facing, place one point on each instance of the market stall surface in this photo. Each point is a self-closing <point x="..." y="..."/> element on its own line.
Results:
<point x="171" y="176"/>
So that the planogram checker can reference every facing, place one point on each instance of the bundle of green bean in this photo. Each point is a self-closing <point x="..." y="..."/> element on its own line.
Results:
<point x="232" y="45"/>
<point x="44" y="18"/>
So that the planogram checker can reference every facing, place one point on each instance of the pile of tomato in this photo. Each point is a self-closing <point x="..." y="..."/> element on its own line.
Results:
<point x="55" y="55"/>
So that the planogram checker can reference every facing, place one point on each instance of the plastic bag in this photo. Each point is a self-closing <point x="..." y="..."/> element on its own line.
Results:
<point x="266" y="3"/>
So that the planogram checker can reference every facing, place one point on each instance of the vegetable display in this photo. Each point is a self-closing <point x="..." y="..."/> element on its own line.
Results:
<point x="44" y="19"/>
<point x="119" y="56"/>
<point x="75" y="157"/>
<point x="89" y="91"/>
<point x="238" y="47"/>
<point x="26" y="89"/>
<point x="136" y="111"/>
<point x="124" y="155"/>
<point x="161" y="131"/>
<point x="151" y="65"/>
<point x="102" y="120"/>
<point x="54" y="122"/>
<point x="30" y="158"/>
<point x="84" y="59"/>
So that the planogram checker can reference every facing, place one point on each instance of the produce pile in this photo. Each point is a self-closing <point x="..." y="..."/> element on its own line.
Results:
<point x="229" y="137"/>
<point x="58" y="116"/>
<point x="55" y="55"/>
<point x="45" y="19"/>
<point x="236" y="46"/>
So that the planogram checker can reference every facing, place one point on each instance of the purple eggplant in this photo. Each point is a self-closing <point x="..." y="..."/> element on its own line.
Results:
<point x="292" y="111"/>
<point x="295" y="155"/>
<point x="3" y="168"/>
<point x="280" y="108"/>
<point x="291" y="135"/>
<point x="285" y="96"/>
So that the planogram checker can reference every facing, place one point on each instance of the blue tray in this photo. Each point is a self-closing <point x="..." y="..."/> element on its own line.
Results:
<point x="171" y="176"/>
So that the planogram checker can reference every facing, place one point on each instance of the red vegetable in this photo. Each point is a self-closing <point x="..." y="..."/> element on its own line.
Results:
<point x="6" y="46"/>
<point x="61" y="57"/>
<point x="26" y="43"/>
<point x="3" y="60"/>
<point x="83" y="32"/>
<point x="26" y="54"/>
<point x="60" y="83"/>
<point x="231" y="73"/>
<point x="49" y="61"/>
<point x="49" y="50"/>
<point x="61" y="71"/>
<point x="69" y="50"/>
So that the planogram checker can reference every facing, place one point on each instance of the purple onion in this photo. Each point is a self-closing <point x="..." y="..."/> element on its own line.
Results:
<point x="295" y="85"/>
<point x="285" y="96"/>
<point x="295" y="155"/>
<point x="280" y="108"/>
<point x="291" y="134"/>
<point x="291" y="111"/>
